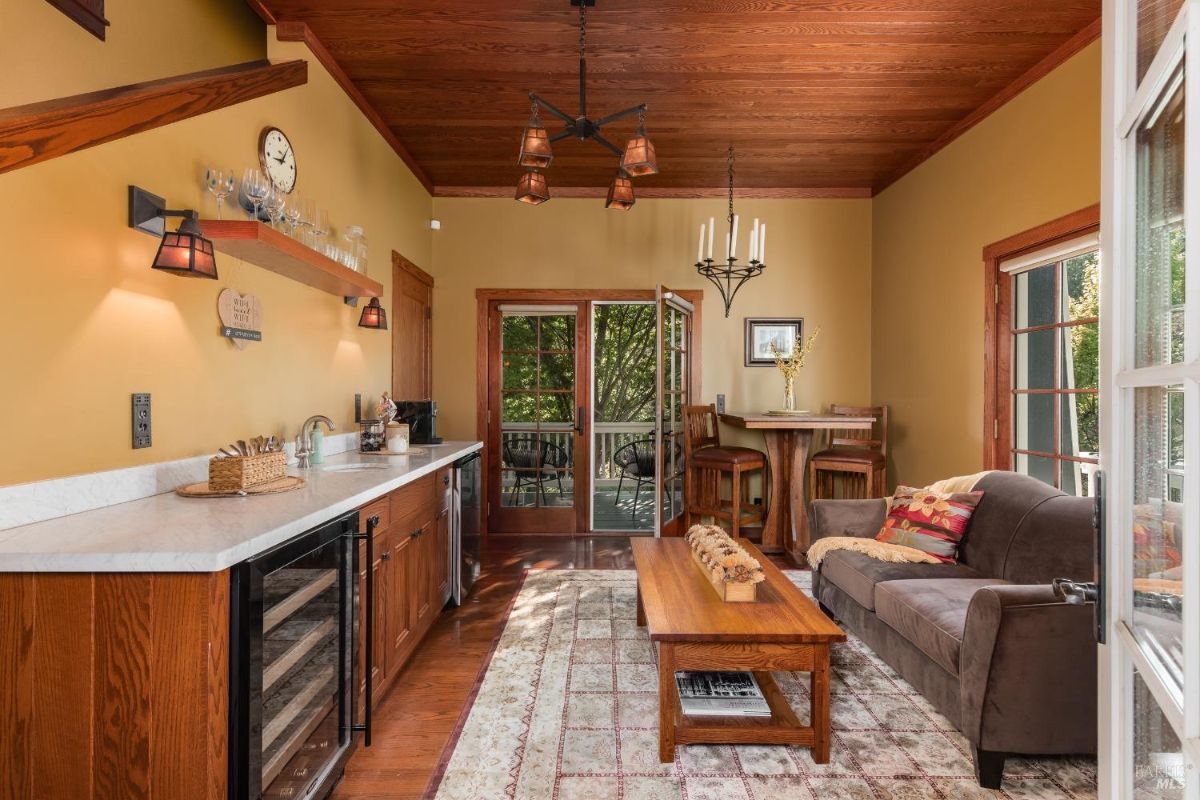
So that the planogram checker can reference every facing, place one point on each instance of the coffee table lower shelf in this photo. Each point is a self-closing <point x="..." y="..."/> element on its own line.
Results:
<point x="782" y="727"/>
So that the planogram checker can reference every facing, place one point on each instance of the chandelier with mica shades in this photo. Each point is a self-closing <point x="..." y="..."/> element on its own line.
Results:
<point x="727" y="274"/>
<point x="636" y="160"/>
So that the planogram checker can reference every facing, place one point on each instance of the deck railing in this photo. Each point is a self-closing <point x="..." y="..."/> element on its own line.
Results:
<point x="607" y="439"/>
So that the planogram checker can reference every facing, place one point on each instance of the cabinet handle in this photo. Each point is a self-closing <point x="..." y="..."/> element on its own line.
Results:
<point x="386" y="556"/>
<point x="445" y="480"/>
<point x="417" y="533"/>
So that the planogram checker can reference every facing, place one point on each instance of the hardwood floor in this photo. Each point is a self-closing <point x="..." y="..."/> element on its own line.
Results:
<point x="415" y="720"/>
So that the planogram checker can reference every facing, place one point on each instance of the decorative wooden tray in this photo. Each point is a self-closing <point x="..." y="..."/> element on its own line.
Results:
<point x="285" y="484"/>
<point x="729" y="592"/>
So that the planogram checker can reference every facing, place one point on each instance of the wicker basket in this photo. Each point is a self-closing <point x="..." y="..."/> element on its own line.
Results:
<point x="236" y="473"/>
<point x="728" y="591"/>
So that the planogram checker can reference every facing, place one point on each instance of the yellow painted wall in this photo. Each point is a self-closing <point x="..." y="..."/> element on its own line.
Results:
<point x="1034" y="160"/>
<point x="86" y="321"/>
<point x="819" y="255"/>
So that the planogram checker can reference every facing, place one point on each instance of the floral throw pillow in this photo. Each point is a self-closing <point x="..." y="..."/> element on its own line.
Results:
<point x="928" y="521"/>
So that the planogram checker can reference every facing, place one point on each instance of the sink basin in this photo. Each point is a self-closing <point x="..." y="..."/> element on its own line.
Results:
<point x="353" y="467"/>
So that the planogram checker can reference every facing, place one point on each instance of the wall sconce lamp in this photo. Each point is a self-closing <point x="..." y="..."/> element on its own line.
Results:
<point x="373" y="316"/>
<point x="185" y="252"/>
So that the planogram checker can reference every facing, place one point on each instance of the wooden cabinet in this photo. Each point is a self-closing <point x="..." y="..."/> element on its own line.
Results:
<point x="412" y="572"/>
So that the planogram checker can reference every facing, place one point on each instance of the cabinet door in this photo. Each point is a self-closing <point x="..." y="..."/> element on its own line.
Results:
<point x="399" y="606"/>
<point x="422" y="583"/>
<point x="383" y="593"/>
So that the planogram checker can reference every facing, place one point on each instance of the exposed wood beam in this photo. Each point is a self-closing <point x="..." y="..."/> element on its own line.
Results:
<point x="85" y="15"/>
<point x="292" y="31"/>
<point x="993" y="104"/>
<point x="40" y="131"/>
<point x="649" y="192"/>
<point x="260" y="8"/>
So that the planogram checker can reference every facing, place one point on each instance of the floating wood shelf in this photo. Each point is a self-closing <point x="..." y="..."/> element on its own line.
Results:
<point x="262" y="245"/>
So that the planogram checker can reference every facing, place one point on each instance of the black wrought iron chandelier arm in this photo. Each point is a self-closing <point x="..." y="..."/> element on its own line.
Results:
<point x="629" y="112"/>
<point x="558" y="137"/>
<point x="607" y="144"/>
<point x="553" y="109"/>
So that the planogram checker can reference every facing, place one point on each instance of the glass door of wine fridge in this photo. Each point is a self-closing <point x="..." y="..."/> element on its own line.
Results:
<point x="294" y="634"/>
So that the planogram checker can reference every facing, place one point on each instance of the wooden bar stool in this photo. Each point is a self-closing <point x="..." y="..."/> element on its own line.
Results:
<point x="707" y="461"/>
<point x="852" y="454"/>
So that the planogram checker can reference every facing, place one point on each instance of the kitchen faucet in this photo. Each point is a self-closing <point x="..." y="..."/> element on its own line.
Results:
<point x="304" y="446"/>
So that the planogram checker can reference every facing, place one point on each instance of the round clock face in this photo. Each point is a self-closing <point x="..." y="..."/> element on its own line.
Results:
<point x="278" y="159"/>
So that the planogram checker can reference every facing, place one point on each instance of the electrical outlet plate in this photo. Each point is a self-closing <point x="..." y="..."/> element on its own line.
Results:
<point x="720" y="404"/>
<point x="141" y="420"/>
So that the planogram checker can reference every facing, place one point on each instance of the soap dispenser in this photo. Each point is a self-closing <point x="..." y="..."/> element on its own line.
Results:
<point x="317" y="437"/>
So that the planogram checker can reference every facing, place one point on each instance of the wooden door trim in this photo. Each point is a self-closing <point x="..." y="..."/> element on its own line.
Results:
<point x="483" y="300"/>
<point x="997" y="301"/>
<point x="400" y="264"/>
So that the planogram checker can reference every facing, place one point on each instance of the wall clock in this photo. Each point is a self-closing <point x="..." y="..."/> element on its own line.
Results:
<point x="278" y="158"/>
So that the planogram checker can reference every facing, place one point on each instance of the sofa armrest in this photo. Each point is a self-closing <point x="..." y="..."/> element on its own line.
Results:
<point x="1027" y="672"/>
<point x="861" y="518"/>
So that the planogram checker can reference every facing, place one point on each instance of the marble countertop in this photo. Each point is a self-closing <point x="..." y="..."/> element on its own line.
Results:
<point x="169" y="533"/>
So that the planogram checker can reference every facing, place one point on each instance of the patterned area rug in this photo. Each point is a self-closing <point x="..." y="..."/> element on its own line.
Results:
<point x="568" y="708"/>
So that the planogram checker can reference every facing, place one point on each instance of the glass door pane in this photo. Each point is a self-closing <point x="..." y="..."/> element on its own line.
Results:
<point x="623" y="403"/>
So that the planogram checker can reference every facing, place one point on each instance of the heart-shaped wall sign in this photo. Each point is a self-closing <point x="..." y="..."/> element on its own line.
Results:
<point x="241" y="317"/>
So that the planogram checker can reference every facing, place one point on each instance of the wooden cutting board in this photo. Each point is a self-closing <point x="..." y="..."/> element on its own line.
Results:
<point x="284" y="484"/>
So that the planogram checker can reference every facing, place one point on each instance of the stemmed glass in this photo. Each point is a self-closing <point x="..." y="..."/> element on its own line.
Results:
<point x="255" y="187"/>
<point x="294" y="212"/>
<point x="274" y="203"/>
<point x="220" y="183"/>
<point x="308" y="212"/>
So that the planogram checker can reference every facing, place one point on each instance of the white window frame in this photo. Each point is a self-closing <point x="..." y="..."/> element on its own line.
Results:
<point x="1124" y="108"/>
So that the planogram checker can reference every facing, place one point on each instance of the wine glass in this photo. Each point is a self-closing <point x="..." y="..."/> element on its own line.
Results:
<point x="294" y="212"/>
<point x="256" y="187"/>
<point x="308" y="212"/>
<point x="274" y="203"/>
<point x="220" y="183"/>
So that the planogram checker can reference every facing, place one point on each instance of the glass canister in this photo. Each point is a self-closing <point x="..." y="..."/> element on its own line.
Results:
<point x="371" y="435"/>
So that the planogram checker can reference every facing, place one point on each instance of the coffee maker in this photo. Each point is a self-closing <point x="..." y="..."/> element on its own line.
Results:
<point x="421" y="417"/>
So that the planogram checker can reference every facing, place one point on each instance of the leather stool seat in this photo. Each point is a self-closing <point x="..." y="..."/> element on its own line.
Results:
<point x="727" y="455"/>
<point x="852" y="455"/>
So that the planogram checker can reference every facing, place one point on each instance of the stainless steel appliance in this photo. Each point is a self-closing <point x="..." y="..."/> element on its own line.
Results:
<point x="293" y="663"/>
<point x="465" y="523"/>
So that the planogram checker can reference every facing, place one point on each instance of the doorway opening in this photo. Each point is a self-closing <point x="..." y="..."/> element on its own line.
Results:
<point x="581" y="396"/>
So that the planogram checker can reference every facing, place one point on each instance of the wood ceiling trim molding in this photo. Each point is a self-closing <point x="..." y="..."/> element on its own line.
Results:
<point x="648" y="193"/>
<point x="38" y="132"/>
<point x="293" y="31"/>
<point x="1031" y="76"/>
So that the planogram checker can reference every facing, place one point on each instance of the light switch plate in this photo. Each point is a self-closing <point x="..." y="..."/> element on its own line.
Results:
<point x="141" y="420"/>
<point x="720" y="404"/>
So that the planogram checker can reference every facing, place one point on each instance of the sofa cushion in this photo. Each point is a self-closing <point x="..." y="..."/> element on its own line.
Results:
<point x="856" y="574"/>
<point x="930" y="614"/>
<point x="929" y="521"/>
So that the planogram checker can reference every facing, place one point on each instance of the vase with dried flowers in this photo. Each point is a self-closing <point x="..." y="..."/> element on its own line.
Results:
<point x="790" y="366"/>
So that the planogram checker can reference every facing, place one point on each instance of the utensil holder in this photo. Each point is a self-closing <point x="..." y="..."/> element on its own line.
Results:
<point x="235" y="473"/>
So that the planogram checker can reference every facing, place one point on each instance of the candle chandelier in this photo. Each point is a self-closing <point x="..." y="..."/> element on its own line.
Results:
<point x="728" y="276"/>
<point x="637" y="159"/>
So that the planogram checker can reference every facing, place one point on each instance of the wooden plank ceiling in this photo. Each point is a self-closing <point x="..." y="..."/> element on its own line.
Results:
<point x="819" y="94"/>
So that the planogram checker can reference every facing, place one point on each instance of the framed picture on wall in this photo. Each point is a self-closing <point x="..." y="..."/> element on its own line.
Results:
<point x="762" y="332"/>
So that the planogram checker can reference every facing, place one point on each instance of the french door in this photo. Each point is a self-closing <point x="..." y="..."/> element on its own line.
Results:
<point x="537" y="397"/>
<point x="1150" y="402"/>
<point x="674" y="394"/>
<point x="581" y="405"/>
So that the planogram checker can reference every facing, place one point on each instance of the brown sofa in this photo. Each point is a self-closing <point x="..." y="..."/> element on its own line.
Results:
<point x="985" y="640"/>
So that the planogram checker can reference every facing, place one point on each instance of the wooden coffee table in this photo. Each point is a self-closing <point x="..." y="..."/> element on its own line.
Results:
<point x="695" y="630"/>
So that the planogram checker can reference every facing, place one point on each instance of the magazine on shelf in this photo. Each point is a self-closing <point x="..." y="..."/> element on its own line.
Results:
<point x="721" y="694"/>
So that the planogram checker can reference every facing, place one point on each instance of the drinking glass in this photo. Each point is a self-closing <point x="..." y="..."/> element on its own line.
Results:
<point x="256" y="187"/>
<point x="319" y="225"/>
<point x="220" y="183"/>
<point x="354" y="235"/>
<point x="274" y="203"/>
<point x="294" y="212"/>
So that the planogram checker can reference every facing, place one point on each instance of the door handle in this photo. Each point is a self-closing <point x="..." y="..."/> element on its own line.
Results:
<point x="369" y="536"/>
<point x="1076" y="593"/>
<point x="1101" y="526"/>
<point x="579" y="420"/>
